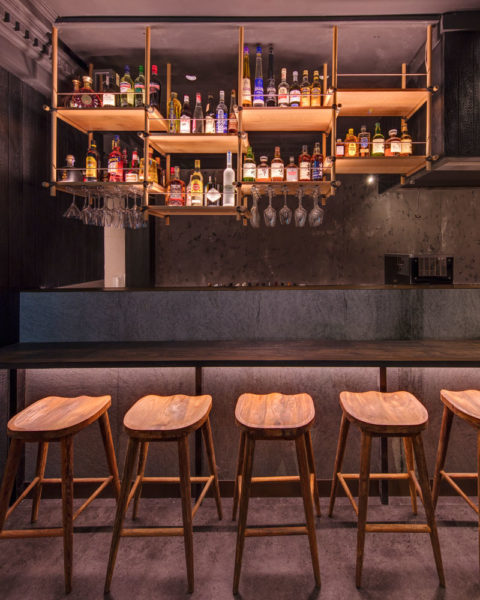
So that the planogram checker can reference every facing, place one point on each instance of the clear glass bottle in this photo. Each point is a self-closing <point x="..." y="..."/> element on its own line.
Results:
<point x="304" y="165"/>
<point x="176" y="189"/>
<point x="277" y="167"/>
<point x="115" y="161"/>
<point x="155" y="88"/>
<point x="91" y="163"/>
<point x="73" y="100"/>
<point x="196" y="186"/>
<point x="317" y="163"/>
<point x="210" y="115"/>
<point x="292" y="170"/>
<point x="364" y="141"/>
<point x="406" y="141"/>
<point x="221" y="115"/>
<point x="246" y="84"/>
<point x="340" y="148"/>
<point x="258" y="99"/>
<point x="232" y="115"/>
<point x="283" y="89"/>
<point x="174" y="111"/>
<point x="198" y="122"/>
<point x="271" y="87"/>
<point x="109" y="96"/>
<point x="351" y="144"/>
<point x="393" y="146"/>
<point x="127" y="97"/>
<point x="186" y="116"/>
<point x="316" y="91"/>
<point x="249" y="166"/>
<point x="305" y="90"/>
<point x="139" y="85"/>
<point x="263" y="170"/>
<point x="229" y="183"/>
<point x="378" y="142"/>
<point x="212" y="195"/>
<point x="88" y="98"/>
<point x="295" y="92"/>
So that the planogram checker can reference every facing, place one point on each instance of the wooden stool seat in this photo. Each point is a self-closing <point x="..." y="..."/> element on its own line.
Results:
<point x="396" y="413"/>
<point x="157" y="417"/>
<point x="55" y="417"/>
<point x="275" y="415"/>
<point x="465" y="405"/>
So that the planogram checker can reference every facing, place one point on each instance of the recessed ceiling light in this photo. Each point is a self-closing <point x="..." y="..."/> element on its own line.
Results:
<point x="191" y="77"/>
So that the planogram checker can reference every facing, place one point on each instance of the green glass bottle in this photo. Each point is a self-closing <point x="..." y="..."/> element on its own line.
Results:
<point x="127" y="97"/>
<point x="249" y="167"/>
<point x="140" y="88"/>
<point x="378" y="142"/>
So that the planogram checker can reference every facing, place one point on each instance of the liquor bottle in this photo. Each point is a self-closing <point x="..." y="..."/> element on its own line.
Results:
<point x="69" y="173"/>
<point x="125" y="158"/>
<point x="155" y="88"/>
<point x="316" y="91"/>
<point x="406" y="141"/>
<point x="176" y="189"/>
<point x="88" y="98"/>
<point x="340" y="148"/>
<point x="393" y="146"/>
<point x="249" y="167"/>
<point x="141" y="169"/>
<point x="115" y="161"/>
<point x="378" y="142"/>
<point x="132" y="174"/>
<point x="186" y="116"/>
<point x="188" y="194"/>
<point x="140" y="87"/>
<point x="73" y="100"/>
<point x="292" y="170"/>
<point x="271" y="87"/>
<point x="198" y="123"/>
<point x="295" y="93"/>
<point x="258" y="99"/>
<point x="232" y="115"/>
<point x="304" y="165"/>
<point x="109" y="97"/>
<point x="263" y="170"/>
<point x="364" y="141"/>
<point x="210" y="116"/>
<point x="174" y="110"/>
<point x="221" y="115"/>
<point x="277" y="168"/>
<point x="91" y="163"/>
<point x="152" y="167"/>
<point x="127" y="97"/>
<point x="351" y="145"/>
<point x="317" y="163"/>
<point x="196" y="185"/>
<point x="283" y="89"/>
<point x="305" y="90"/>
<point x="246" y="83"/>
<point x="212" y="195"/>
<point x="158" y="169"/>
<point x="228" y="183"/>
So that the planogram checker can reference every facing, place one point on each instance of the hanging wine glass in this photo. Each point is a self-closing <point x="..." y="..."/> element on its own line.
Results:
<point x="72" y="212"/>
<point x="270" y="214"/>
<point x="300" y="212"/>
<point x="87" y="210"/>
<point x="315" y="217"/>
<point x="285" y="213"/>
<point x="254" y="212"/>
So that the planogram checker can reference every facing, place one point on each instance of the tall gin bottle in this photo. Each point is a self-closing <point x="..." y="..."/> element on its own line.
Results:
<point x="258" y="99"/>
<point x="246" y="83"/>
<point x="271" y="87"/>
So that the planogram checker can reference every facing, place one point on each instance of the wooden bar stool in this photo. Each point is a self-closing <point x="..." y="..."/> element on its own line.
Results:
<point x="397" y="414"/>
<point x="465" y="405"/>
<point x="275" y="417"/>
<point x="56" y="419"/>
<point x="158" y="419"/>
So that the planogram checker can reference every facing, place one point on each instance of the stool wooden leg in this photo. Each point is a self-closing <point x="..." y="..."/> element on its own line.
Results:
<point x="142" y="461"/>
<point x="238" y="474"/>
<point x="208" y="439"/>
<point x="407" y="444"/>
<point x="363" y="491"/>
<point x="446" y="427"/>
<point x="13" y="460"/>
<point x="106" y="432"/>
<point x="130" y="460"/>
<point x="342" y="442"/>
<point x="304" y="473"/>
<point x="39" y="472"/>
<point x="242" y="517"/>
<point x="186" y="491"/>
<point x="313" y="473"/>
<point x="67" y="509"/>
<point x="428" y="504"/>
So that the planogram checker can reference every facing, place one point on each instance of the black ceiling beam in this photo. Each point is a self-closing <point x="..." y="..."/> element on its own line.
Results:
<point x="465" y="21"/>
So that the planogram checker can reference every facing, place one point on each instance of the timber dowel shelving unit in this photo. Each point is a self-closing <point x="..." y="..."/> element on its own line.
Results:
<point x="198" y="143"/>
<point x="112" y="119"/>
<point x="277" y="118"/>
<point x="381" y="165"/>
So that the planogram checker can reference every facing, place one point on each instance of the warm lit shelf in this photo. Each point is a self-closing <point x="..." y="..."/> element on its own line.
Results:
<point x="277" y="118"/>
<point x="380" y="102"/>
<point x="197" y="143"/>
<point x="111" y="119"/>
<point x="205" y="211"/>
<point x="104" y="187"/>
<point x="324" y="187"/>
<point x="393" y="165"/>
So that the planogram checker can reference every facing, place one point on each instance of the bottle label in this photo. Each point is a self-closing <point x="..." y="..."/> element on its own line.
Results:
<point x="154" y="86"/>
<point x="406" y="147"/>
<point x="282" y="95"/>
<point x="317" y="170"/>
<point x="131" y="177"/>
<point x="185" y="123"/>
<point x="196" y="187"/>
<point x="340" y="150"/>
<point x="247" y="90"/>
<point x="221" y="126"/>
<point x="108" y="100"/>
<point x="292" y="174"/>
<point x="175" y="197"/>
<point x="209" y="124"/>
<point x="295" y="97"/>
<point x="228" y="195"/>
<point x="304" y="171"/>
<point x="258" y="91"/>
<point x="125" y="87"/>
<point x="115" y="166"/>
<point x="249" y="172"/>
<point x="378" y="147"/>
<point x="91" y="167"/>
<point x="396" y="147"/>
<point x="363" y="143"/>
<point x="263" y="173"/>
<point x="139" y="87"/>
<point x="86" y="100"/>
<point x="232" y="122"/>
<point x="351" y="149"/>
<point x="315" y="99"/>
<point x="213" y="197"/>
<point x="277" y="171"/>
<point x="271" y="92"/>
<point x="305" y="99"/>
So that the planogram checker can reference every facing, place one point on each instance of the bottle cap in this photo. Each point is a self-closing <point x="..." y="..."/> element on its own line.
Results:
<point x="392" y="132"/>
<point x="350" y="131"/>
<point x="263" y="158"/>
<point x="127" y="68"/>
<point x="87" y="79"/>
<point x="172" y="170"/>
<point x="245" y="49"/>
<point x="155" y="69"/>
<point x="140" y="68"/>
<point x="363" y="128"/>
<point x="259" y="49"/>
<point x="197" y="163"/>
<point x="295" y="74"/>
<point x="186" y="98"/>
<point x="70" y="158"/>
<point x="199" y="97"/>
<point x="277" y="149"/>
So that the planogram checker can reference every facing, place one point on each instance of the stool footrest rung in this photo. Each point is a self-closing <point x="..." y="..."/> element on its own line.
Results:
<point x="275" y="530"/>
<point x="22" y="496"/>
<point x="92" y="497"/>
<point x="341" y="479"/>
<point x="397" y="528"/>
<point x="275" y="478"/>
<point x="449" y="479"/>
<point x="377" y="476"/>
<point x="31" y="533"/>
<point x="152" y="532"/>
<point x="173" y="479"/>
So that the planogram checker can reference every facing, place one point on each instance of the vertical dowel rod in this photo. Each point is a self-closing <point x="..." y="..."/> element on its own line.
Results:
<point x="53" y="171"/>
<point x="324" y="97"/>
<point x="167" y="157"/>
<point x="90" y="74"/>
<point x="147" y="120"/>
<point x="241" y="39"/>
<point x="403" y="121"/>
<point x="334" y="119"/>
<point x="169" y="87"/>
<point x="428" y="61"/>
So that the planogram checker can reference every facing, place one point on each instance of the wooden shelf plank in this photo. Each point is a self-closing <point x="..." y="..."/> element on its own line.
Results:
<point x="111" y="119"/>
<point x="277" y="118"/>
<point x="81" y="188"/>
<point x="197" y="143"/>
<point x="204" y="211"/>
<point x="292" y="186"/>
<point x="394" y="165"/>
<point x="379" y="102"/>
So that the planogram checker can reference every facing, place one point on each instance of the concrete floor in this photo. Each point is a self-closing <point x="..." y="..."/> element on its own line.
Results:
<point x="396" y="565"/>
